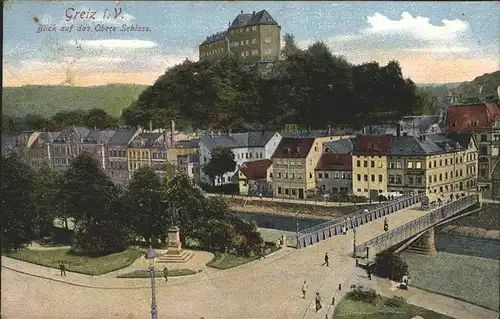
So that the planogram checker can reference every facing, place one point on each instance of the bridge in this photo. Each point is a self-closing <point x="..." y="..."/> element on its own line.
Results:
<point x="422" y="226"/>
<point x="315" y="234"/>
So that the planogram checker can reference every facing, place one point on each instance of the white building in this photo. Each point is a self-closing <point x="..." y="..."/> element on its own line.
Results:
<point x="245" y="146"/>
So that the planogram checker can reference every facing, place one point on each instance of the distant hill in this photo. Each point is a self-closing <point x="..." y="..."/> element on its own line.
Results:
<point x="47" y="100"/>
<point x="466" y="92"/>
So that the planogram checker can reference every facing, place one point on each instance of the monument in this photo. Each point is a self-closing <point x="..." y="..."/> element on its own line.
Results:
<point x="175" y="253"/>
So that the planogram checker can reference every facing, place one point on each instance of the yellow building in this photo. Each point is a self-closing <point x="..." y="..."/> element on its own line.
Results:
<point x="369" y="165"/>
<point x="139" y="151"/>
<point x="255" y="178"/>
<point x="454" y="167"/>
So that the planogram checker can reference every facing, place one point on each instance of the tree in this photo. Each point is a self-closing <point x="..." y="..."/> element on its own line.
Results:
<point x="146" y="204"/>
<point x="290" y="46"/>
<point x="99" y="119"/>
<point x="87" y="195"/>
<point x="390" y="265"/>
<point x="18" y="211"/>
<point x="45" y="183"/>
<point x="221" y="162"/>
<point x="8" y="126"/>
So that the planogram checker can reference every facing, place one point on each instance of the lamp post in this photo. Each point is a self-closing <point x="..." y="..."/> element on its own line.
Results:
<point x="151" y="257"/>
<point x="354" y="242"/>
<point x="297" y="227"/>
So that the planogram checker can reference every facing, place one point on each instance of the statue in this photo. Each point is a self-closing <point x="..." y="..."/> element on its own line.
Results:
<point x="174" y="216"/>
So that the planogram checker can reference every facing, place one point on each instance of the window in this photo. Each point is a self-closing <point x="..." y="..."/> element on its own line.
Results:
<point x="299" y="162"/>
<point x="484" y="138"/>
<point x="365" y="163"/>
<point x="440" y="177"/>
<point x="430" y="164"/>
<point x="254" y="41"/>
<point x="373" y="178"/>
<point x="409" y="164"/>
<point x="320" y="175"/>
<point x="359" y="177"/>
<point x="358" y="163"/>
<point x="410" y="179"/>
<point x="435" y="163"/>
<point x="293" y="176"/>
<point x="391" y="164"/>
<point x="286" y="175"/>
<point x="246" y="155"/>
<point x="399" y="164"/>
<point x="365" y="178"/>
<point x="380" y="164"/>
<point x="254" y="28"/>
<point x="250" y="155"/>
<point x="279" y="174"/>
<point x="440" y="163"/>
<point x="326" y="175"/>
<point x="372" y="163"/>
<point x="380" y="179"/>
<point x="310" y="175"/>
<point x="279" y="190"/>
<point x="419" y="179"/>
<point x="399" y="179"/>
<point x="418" y="165"/>
<point x="294" y="191"/>
<point x="278" y="161"/>
<point x="446" y="162"/>
<point x="446" y="175"/>
<point x="292" y="162"/>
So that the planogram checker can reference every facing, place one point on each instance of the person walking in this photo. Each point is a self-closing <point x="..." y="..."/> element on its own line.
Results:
<point x="369" y="272"/>
<point x="165" y="273"/>
<point x="63" y="269"/>
<point x="326" y="260"/>
<point x="318" y="302"/>
<point x="386" y="224"/>
<point x="262" y="252"/>
<point x="304" y="289"/>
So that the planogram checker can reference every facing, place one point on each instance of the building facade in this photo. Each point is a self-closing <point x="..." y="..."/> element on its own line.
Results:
<point x="255" y="178"/>
<point x="245" y="147"/>
<point x="190" y="165"/>
<point x="255" y="37"/>
<point x="483" y="120"/>
<point x="334" y="173"/>
<point x="139" y="151"/>
<point x="117" y="155"/>
<point x="369" y="165"/>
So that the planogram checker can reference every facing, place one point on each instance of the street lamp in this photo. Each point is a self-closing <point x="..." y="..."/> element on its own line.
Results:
<point x="354" y="242"/>
<point x="151" y="257"/>
<point x="297" y="227"/>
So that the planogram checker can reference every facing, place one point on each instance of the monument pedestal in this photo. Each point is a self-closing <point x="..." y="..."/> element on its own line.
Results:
<point x="175" y="253"/>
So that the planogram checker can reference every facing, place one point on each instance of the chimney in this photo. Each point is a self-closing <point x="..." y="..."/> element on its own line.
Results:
<point x="165" y="138"/>
<point x="150" y="126"/>
<point x="172" y="133"/>
<point x="398" y="130"/>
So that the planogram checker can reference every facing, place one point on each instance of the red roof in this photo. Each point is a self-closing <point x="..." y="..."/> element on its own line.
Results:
<point x="368" y="145"/>
<point x="471" y="118"/>
<point x="256" y="169"/>
<point x="334" y="162"/>
<point x="293" y="147"/>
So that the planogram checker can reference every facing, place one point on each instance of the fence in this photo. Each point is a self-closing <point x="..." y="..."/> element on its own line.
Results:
<point x="408" y="230"/>
<point x="332" y="228"/>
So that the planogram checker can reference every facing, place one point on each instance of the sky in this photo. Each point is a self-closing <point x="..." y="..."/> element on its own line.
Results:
<point x="435" y="42"/>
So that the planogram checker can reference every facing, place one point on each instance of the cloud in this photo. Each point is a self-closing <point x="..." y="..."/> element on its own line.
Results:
<point x="439" y="49"/>
<point x="113" y="44"/>
<point x="418" y="27"/>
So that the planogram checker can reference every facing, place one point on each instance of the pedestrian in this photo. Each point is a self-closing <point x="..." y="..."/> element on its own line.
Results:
<point x="63" y="269"/>
<point x="165" y="273"/>
<point x="326" y="260"/>
<point x="318" y="302"/>
<point x="262" y="252"/>
<point x="369" y="272"/>
<point x="304" y="289"/>
<point x="386" y="224"/>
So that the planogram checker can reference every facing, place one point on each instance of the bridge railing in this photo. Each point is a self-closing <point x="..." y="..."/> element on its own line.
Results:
<point x="414" y="227"/>
<point x="332" y="228"/>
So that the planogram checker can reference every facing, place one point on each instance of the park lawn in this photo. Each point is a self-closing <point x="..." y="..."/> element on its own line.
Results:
<point x="472" y="279"/>
<point x="159" y="273"/>
<point x="225" y="261"/>
<point x="349" y="309"/>
<point x="80" y="264"/>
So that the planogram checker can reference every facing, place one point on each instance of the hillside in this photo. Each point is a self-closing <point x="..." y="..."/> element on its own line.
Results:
<point x="466" y="92"/>
<point x="48" y="100"/>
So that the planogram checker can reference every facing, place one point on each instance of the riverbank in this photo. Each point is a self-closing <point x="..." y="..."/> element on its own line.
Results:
<point x="471" y="232"/>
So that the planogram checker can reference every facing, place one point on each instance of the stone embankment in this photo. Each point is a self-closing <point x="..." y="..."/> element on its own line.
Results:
<point x="282" y="212"/>
<point x="471" y="232"/>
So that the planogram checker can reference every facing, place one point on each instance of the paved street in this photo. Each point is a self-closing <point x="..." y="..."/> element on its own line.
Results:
<point x="269" y="288"/>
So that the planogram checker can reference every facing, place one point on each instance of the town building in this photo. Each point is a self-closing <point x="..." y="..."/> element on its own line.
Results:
<point x="369" y="165"/>
<point x="139" y="151"/>
<point x="245" y="147"/>
<point x="68" y="144"/>
<point x="182" y="148"/>
<point x="117" y="154"/>
<point x="432" y="163"/>
<point x="255" y="178"/>
<point x="483" y="120"/>
<point x="255" y="37"/>
<point x="190" y="165"/>
<point x="40" y="149"/>
<point x="334" y="173"/>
